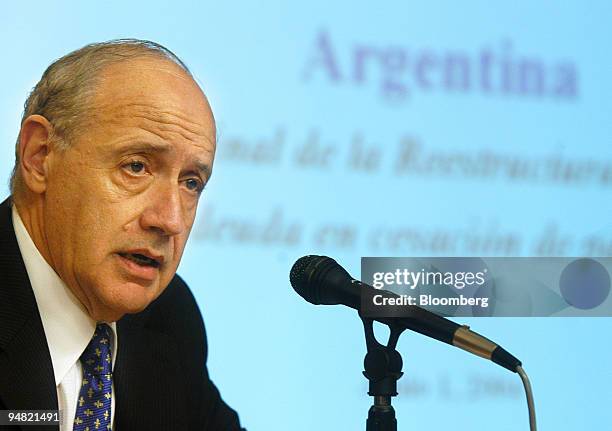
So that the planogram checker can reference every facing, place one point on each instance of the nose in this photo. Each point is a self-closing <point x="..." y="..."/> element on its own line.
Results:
<point x="164" y="212"/>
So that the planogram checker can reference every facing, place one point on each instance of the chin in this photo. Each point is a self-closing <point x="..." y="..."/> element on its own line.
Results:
<point x="130" y="298"/>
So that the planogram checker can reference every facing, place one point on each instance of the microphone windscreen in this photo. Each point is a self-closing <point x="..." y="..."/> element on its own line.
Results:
<point x="299" y="276"/>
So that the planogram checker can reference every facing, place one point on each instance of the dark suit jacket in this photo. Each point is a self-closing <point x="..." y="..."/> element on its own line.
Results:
<point x="160" y="377"/>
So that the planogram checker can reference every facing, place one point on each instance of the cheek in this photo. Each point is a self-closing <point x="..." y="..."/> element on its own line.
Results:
<point x="89" y="229"/>
<point x="85" y="232"/>
<point x="178" y="248"/>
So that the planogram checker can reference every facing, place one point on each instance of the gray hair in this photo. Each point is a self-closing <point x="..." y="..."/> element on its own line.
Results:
<point x="66" y="87"/>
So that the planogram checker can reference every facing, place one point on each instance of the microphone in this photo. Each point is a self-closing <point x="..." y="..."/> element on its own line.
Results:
<point x="321" y="280"/>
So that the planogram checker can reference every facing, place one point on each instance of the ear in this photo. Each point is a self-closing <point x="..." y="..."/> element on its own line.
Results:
<point x="34" y="147"/>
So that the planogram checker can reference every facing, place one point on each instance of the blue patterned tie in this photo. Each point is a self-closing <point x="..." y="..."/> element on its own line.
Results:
<point x="94" y="404"/>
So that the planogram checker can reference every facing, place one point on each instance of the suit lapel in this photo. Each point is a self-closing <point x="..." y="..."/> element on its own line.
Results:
<point x="26" y="370"/>
<point x="147" y="379"/>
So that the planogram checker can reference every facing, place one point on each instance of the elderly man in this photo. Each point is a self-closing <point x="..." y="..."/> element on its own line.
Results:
<point x="116" y="145"/>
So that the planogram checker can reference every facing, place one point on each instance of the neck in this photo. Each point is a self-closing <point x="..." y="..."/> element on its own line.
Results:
<point x="31" y="213"/>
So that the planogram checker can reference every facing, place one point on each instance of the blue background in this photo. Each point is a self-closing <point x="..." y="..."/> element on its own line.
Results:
<point x="282" y="363"/>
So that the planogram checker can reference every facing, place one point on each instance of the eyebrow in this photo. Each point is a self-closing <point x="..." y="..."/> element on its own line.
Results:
<point x="160" y="147"/>
<point x="203" y="168"/>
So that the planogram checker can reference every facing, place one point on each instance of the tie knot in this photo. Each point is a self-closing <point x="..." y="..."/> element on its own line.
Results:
<point x="97" y="357"/>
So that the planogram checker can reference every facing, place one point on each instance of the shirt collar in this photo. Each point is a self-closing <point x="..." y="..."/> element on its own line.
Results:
<point x="67" y="325"/>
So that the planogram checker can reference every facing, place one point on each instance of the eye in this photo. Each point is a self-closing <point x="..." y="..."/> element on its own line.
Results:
<point x="194" y="184"/>
<point x="136" y="167"/>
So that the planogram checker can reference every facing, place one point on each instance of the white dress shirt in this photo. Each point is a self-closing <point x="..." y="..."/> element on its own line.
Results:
<point x="68" y="328"/>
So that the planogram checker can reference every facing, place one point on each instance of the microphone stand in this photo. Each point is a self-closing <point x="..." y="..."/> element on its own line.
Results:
<point x="383" y="367"/>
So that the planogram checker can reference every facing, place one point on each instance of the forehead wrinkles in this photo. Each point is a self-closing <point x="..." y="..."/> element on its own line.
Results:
<point x="160" y="120"/>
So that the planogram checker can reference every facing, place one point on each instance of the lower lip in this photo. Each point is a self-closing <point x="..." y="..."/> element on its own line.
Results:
<point x="147" y="273"/>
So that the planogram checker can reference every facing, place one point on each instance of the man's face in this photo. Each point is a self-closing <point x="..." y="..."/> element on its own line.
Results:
<point x="121" y="201"/>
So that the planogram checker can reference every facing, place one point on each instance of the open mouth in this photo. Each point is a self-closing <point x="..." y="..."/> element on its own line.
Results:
<point x="140" y="259"/>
